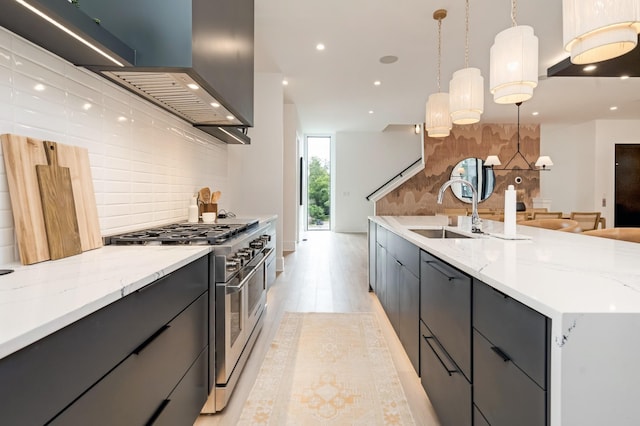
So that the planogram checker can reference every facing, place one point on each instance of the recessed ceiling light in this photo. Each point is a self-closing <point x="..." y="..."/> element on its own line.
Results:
<point x="285" y="82"/>
<point x="319" y="46"/>
<point x="370" y="111"/>
<point x="613" y="108"/>
<point x="624" y="77"/>
<point x="389" y="59"/>
<point x="215" y="104"/>
<point x="377" y="83"/>
<point x="86" y="106"/>
<point x="535" y="113"/>
<point x="589" y="68"/>
<point x="230" y="117"/>
<point x="39" y="87"/>
<point x="193" y="86"/>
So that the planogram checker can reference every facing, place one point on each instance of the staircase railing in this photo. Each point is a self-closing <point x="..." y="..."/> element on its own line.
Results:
<point x="401" y="174"/>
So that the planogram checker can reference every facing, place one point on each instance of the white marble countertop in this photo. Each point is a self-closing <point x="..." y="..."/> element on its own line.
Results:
<point x="553" y="272"/>
<point x="37" y="300"/>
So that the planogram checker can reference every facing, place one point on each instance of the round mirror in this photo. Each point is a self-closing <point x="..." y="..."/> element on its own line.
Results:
<point x="482" y="178"/>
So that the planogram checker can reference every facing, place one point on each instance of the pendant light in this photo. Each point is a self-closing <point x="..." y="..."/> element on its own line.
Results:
<point x="514" y="63"/>
<point x="438" y="118"/>
<point x="597" y="30"/>
<point x="543" y="163"/>
<point x="466" y="88"/>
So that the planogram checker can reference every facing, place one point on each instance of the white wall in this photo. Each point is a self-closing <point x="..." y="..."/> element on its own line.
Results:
<point x="364" y="161"/>
<point x="145" y="163"/>
<point x="291" y="185"/>
<point x="584" y="171"/>
<point x="256" y="171"/>
<point x="570" y="182"/>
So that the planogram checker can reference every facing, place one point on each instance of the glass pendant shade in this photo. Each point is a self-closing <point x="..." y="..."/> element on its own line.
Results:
<point x="438" y="118"/>
<point x="597" y="30"/>
<point x="466" y="96"/>
<point x="514" y="65"/>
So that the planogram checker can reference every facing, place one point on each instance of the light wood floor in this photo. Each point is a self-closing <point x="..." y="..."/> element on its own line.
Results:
<point x="327" y="273"/>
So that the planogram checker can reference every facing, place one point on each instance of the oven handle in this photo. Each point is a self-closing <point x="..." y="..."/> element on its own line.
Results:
<point x="230" y="289"/>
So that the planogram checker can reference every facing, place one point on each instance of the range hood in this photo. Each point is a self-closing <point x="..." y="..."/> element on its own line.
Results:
<point x="194" y="58"/>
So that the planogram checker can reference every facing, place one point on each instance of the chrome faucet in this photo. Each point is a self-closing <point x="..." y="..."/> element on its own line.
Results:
<point x="476" y="222"/>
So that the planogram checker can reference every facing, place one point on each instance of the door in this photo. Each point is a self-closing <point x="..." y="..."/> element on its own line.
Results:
<point x="627" y="185"/>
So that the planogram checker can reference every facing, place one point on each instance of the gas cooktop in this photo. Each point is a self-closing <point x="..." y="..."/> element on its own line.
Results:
<point x="183" y="233"/>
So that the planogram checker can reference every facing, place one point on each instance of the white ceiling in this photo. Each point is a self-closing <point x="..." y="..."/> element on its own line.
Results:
<point x="333" y="90"/>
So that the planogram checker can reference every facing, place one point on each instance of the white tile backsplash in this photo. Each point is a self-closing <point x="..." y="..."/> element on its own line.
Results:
<point x="146" y="164"/>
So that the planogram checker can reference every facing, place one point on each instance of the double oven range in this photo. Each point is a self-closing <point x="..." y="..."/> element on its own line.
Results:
<point x="241" y="267"/>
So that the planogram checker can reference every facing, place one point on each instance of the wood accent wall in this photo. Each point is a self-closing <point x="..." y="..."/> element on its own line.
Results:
<point x="418" y="195"/>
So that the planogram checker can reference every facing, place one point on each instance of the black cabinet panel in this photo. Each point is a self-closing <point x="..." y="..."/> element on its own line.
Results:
<point x="503" y="392"/>
<point x="381" y="273"/>
<point x="51" y="373"/>
<point x="405" y="252"/>
<point x="132" y="392"/>
<point x="449" y="391"/>
<point x="445" y="306"/>
<point x="372" y="255"/>
<point x="392" y="292"/>
<point x="186" y="400"/>
<point x="409" y="316"/>
<point x="381" y="236"/>
<point x="516" y="329"/>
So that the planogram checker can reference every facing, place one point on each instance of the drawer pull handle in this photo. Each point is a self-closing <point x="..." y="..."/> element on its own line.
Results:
<point x="158" y="411"/>
<point x="151" y="338"/>
<point x="398" y="262"/>
<point x="501" y="354"/>
<point x="449" y="372"/>
<point x="433" y="265"/>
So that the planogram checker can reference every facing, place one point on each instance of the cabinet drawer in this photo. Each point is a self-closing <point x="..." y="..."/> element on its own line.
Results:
<point x="445" y="307"/>
<point x="516" y="329"/>
<point x="503" y="393"/>
<point x="448" y="390"/>
<point x="132" y="392"/>
<point x="478" y="418"/>
<point x="183" y="405"/>
<point x="405" y="252"/>
<point x="72" y="359"/>
<point x="381" y="236"/>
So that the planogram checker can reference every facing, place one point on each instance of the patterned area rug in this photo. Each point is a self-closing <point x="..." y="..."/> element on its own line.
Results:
<point x="327" y="369"/>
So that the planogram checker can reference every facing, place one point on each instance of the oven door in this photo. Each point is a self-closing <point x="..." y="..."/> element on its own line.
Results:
<point x="231" y="307"/>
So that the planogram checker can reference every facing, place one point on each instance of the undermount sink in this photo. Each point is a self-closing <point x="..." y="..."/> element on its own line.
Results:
<point x="438" y="233"/>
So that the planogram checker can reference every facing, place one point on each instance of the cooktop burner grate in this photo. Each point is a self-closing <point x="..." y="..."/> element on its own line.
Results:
<point x="183" y="233"/>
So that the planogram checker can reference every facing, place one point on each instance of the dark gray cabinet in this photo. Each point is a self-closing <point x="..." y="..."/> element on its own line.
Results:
<point x="482" y="356"/>
<point x="445" y="307"/>
<point x="398" y="288"/>
<point x="134" y="390"/>
<point x="449" y="391"/>
<point x="510" y="355"/>
<point x="371" y="235"/>
<point x="155" y="321"/>
<point x="445" y="352"/>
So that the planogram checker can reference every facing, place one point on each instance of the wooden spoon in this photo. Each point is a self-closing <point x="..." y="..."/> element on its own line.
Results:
<point x="205" y="195"/>
<point x="215" y="197"/>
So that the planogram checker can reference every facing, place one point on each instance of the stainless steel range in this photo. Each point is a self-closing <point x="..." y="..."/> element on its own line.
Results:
<point x="238" y="283"/>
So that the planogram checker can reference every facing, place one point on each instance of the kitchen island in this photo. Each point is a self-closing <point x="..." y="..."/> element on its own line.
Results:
<point x="587" y="290"/>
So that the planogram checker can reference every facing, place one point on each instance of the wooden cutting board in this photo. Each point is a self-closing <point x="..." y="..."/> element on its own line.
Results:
<point x="77" y="160"/>
<point x="58" y="206"/>
<point x="21" y="155"/>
